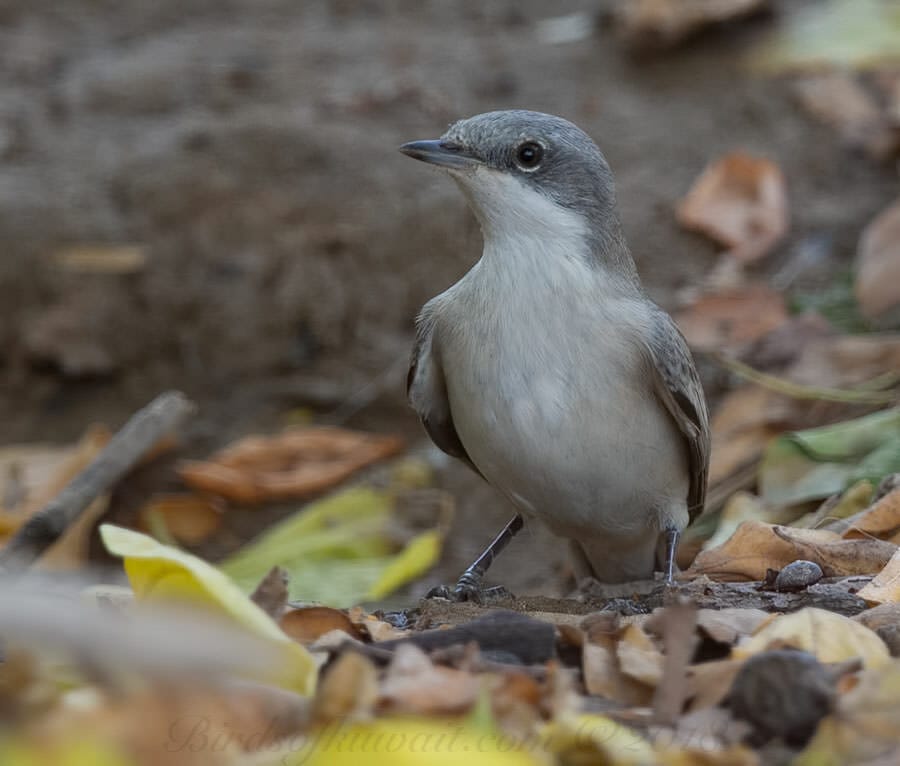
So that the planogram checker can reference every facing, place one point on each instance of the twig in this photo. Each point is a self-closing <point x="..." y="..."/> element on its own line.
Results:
<point x="679" y="621"/>
<point x="863" y="395"/>
<point x="135" y="439"/>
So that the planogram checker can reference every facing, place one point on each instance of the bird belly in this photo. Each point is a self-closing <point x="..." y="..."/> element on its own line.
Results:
<point x="580" y="443"/>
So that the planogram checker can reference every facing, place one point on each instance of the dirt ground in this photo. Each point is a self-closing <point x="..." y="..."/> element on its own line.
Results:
<point x="248" y="148"/>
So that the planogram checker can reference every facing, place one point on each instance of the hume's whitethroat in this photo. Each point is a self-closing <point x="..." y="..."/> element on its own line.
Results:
<point x="546" y="368"/>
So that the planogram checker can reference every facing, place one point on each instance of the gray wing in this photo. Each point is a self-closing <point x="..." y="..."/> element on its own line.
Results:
<point x="427" y="390"/>
<point x="678" y="386"/>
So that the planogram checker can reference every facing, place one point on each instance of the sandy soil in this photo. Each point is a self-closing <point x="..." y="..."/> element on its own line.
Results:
<point x="248" y="147"/>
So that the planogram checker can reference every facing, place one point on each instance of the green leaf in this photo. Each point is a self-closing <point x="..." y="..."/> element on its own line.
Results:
<point x="337" y="551"/>
<point x="814" y="464"/>
<point x="847" y="33"/>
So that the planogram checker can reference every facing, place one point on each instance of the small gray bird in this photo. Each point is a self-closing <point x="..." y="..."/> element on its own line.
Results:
<point x="546" y="368"/>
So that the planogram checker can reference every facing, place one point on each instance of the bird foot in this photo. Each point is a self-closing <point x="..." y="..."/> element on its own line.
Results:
<point x="462" y="592"/>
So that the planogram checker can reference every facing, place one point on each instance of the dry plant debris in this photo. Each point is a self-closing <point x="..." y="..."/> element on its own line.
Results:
<point x="741" y="202"/>
<point x="294" y="464"/>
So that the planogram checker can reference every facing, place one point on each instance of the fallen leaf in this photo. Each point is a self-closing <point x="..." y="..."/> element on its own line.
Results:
<point x="604" y="678"/>
<point x="842" y="361"/>
<point x="839" y="558"/>
<point x="638" y="656"/>
<point x="596" y="739"/>
<point x="835" y="513"/>
<point x="741" y="202"/>
<point x="369" y="625"/>
<point x="838" y="99"/>
<point x="158" y="572"/>
<point x="756" y="547"/>
<point x="819" y="462"/>
<point x="819" y="35"/>
<point x="885" y="587"/>
<point x="189" y="518"/>
<point x="658" y="24"/>
<point x="882" y="520"/>
<point x="348" y="690"/>
<point x="729" y="625"/>
<point x="829" y="636"/>
<point x="729" y="320"/>
<point x="863" y="728"/>
<point x="878" y="264"/>
<point x="271" y="594"/>
<point x="308" y="623"/>
<point x="294" y="464"/>
<point x="414" y="684"/>
<point x="339" y="550"/>
<point x="406" y="741"/>
<point x="709" y="682"/>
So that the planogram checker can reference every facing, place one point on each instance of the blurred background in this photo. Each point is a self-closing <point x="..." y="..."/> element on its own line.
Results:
<point x="207" y="195"/>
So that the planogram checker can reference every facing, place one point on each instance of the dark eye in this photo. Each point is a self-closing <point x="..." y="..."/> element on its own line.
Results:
<point x="529" y="155"/>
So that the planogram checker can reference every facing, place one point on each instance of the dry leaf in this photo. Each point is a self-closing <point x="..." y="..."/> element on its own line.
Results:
<point x="415" y="685"/>
<point x="664" y="23"/>
<point x="348" y="690"/>
<point x="709" y="682"/>
<point x="189" y="518"/>
<point x="309" y="623"/>
<point x="741" y="202"/>
<point x="882" y="519"/>
<point x="638" y="656"/>
<point x="878" y="264"/>
<point x="731" y="319"/>
<point x="271" y="595"/>
<point x="369" y="625"/>
<point x="830" y="637"/>
<point x="296" y="463"/>
<point x="885" y="587"/>
<point x="603" y="674"/>
<point x="839" y="558"/>
<point x="840" y="100"/>
<point x="728" y="626"/>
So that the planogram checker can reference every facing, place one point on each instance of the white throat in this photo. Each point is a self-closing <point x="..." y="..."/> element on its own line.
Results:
<point x="526" y="234"/>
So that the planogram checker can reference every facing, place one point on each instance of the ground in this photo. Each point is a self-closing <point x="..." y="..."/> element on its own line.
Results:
<point x="248" y="148"/>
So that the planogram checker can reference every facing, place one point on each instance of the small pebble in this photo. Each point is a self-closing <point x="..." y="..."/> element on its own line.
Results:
<point x="798" y="575"/>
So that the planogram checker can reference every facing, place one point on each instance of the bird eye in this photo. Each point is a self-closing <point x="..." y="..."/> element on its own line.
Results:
<point x="529" y="155"/>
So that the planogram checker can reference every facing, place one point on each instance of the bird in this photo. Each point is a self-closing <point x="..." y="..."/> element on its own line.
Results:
<point x="546" y="368"/>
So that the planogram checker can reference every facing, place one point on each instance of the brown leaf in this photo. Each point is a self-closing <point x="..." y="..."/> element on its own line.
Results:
<point x="885" y="587"/>
<point x="741" y="202"/>
<point x="709" y="682"/>
<point x="190" y="518"/>
<point x="296" y="463"/>
<point x="755" y="547"/>
<point x="878" y="264"/>
<point x="665" y="23"/>
<point x="638" y="656"/>
<point x="348" y="690"/>
<point x="728" y="626"/>
<point x="415" y="685"/>
<point x="369" y="625"/>
<point x="271" y="595"/>
<point x="830" y="637"/>
<point x="604" y="677"/>
<point x="731" y="319"/>
<point x="882" y="520"/>
<point x="840" y="100"/>
<point x="308" y="623"/>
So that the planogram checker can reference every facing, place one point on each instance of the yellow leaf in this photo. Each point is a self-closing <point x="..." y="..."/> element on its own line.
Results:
<point x="587" y="738"/>
<point x="404" y="741"/>
<point x="886" y="585"/>
<point x="418" y="556"/>
<point x="830" y="637"/>
<point x="160" y="573"/>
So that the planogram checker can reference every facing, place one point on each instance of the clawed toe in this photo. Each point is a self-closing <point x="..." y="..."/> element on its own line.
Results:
<point x="464" y="591"/>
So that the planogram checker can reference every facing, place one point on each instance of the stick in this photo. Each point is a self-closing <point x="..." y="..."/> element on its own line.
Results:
<point x="137" y="437"/>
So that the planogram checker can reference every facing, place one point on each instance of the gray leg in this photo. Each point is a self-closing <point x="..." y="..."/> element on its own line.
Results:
<point x="672" y="536"/>
<point x="468" y="587"/>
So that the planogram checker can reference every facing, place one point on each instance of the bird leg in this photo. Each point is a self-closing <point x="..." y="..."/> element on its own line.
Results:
<point x="672" y="536"/>
<point x="468" y="587"/>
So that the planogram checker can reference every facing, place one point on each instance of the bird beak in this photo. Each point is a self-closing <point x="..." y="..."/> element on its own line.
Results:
<point x="442" y="154"/>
